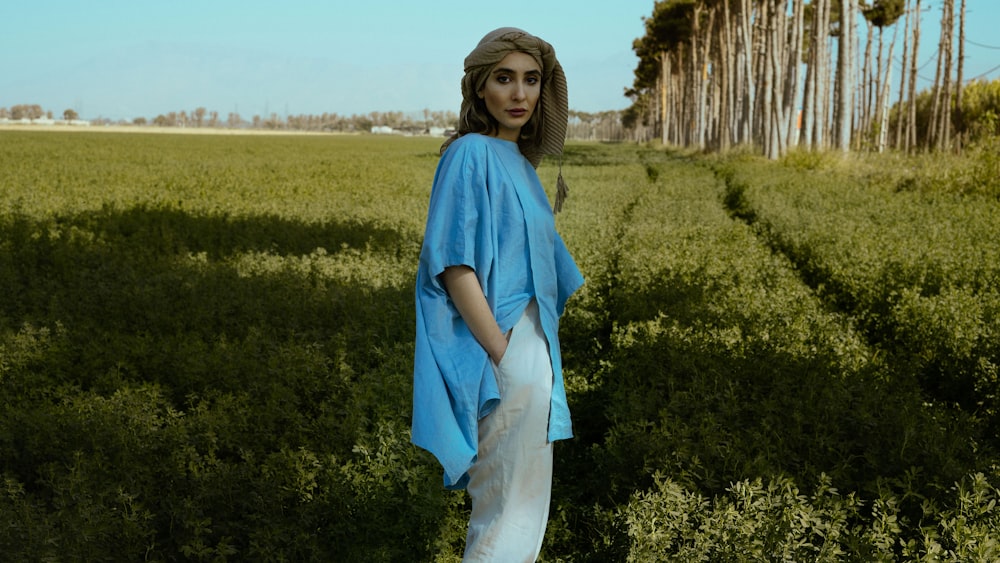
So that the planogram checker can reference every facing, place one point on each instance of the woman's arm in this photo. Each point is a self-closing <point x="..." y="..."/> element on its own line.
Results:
<point x="467" y="294"/>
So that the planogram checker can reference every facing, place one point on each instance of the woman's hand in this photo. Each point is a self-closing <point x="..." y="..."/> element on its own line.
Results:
<point x="468" y="297"/>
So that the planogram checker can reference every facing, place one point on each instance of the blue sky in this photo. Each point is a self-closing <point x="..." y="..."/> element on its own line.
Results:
<point x="122" y="59"/>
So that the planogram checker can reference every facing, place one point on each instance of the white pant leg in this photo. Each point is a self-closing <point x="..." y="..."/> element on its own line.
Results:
<point x="511" y="481"/>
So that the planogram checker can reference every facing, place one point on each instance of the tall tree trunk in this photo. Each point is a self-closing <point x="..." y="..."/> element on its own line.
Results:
<point x="845" y="74"/>
<point x="693" y="108"/>
<point x="702" y="55"/>
<point x="948" y="32"/>
<point x="808" y="99"/>
<point x="716" y="90"/>
<point x="931" y="138"/>
<point x="911" y="125"/>
<point x="666" y="97"/>
<point x="683" y="95"/>
<point x="883" y="104"/>
<point x="821" y="109"/>
<point x="758" y="66"/>
<point x="767" y="72"/>
<point x="809" y="90"/>
<point x="747" y="78"/>
<point x="781" y="41"/>
<point x="877" y="94"/>
<point x="792" y="73"/>
<point x="690" y="75"/>
<point x="938" y="136"/>
<point x="959" y="114"/>
<point x="900" y="113"/>
<point x="664" y="83"/>
<point x="865" y="99"/>
<point x="725" y="60"/>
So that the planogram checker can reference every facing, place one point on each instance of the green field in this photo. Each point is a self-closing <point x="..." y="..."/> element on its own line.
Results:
<point x="206" y="354"/>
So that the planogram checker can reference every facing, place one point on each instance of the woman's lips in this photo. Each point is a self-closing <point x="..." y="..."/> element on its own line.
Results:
<point x="517" y="112"/>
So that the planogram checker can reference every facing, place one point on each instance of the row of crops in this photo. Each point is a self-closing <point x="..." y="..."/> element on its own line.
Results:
<point x="918" y="269"/>
<point x="206" y="352"/>
<point x="205" y="345"/>
<point x="730" y="357"/>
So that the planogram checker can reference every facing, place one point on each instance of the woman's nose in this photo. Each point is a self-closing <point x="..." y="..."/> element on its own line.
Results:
<point x="519" y="91"/>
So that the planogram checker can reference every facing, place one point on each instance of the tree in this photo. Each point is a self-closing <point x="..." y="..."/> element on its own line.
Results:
<point x="845" y="74"/>
<point x="911" y="110"/>
<point x="26" y="111"/>
<point x="70" y="115"/>
<point x="656" y="85"/>
<point x="767" y="75"/>
<point x="939" y="128"/>
<point x="721" y="72"/>
<point x="198" y="115"/>
<point x="793" y="61"/>
<point x="959" y="115"/>
<point x="815" y="104"/>
<point x="874" y="119"/>
<point x="903" y="76"/>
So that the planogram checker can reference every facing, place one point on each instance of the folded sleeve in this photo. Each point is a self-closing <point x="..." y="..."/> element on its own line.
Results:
<point x="455" y="233"/>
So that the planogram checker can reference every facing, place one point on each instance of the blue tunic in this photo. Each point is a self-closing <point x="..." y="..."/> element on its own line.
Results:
<point x="487" y="211"/>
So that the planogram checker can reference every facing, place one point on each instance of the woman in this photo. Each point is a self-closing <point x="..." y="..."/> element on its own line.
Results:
<point x="493" y="278"/>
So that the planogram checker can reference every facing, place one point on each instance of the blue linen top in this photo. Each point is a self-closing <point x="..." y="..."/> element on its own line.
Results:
<point x="487" y="211"/>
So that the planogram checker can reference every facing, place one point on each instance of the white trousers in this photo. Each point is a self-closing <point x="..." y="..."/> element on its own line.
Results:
<point x="511" y="481"/>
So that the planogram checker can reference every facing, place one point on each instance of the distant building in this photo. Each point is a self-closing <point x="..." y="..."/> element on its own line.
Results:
<point x="44" y="121"/>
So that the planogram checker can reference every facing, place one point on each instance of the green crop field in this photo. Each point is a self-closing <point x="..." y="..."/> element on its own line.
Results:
<point x="206" y="354"/>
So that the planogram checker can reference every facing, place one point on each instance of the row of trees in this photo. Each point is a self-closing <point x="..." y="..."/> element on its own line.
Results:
<point x="717" y="73"/>
<point x="603" y="126"/>
<point x="600" y="126"/>
<point x="33" y="112"/>
<point x="201" y="117"/>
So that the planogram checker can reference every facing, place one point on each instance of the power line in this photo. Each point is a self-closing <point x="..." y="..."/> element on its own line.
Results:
<point x="930" y="59"/>
<point x="984" y="75"/>
<point x="899" y="63"/>
<point x="971" y="42"/>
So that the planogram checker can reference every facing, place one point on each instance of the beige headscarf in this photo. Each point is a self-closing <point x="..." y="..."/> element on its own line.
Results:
<point x="553" y="106"/>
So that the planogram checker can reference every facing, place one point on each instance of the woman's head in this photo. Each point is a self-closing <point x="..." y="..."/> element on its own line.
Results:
<point x="510" y="94"/>
<point x="544" y="130"/>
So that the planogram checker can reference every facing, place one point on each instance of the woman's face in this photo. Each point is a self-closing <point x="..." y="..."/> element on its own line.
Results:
<point x="511" y="93"/>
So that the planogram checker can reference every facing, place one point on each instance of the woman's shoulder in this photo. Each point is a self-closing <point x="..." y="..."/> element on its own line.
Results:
<point x="469" y="150"/>
<point x="477" y="145"/>
<point x="470" y="141"/>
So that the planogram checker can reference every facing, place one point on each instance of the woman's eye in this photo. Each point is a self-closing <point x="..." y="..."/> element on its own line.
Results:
<point x="532" y="80"/>
<point x="503" y="79"/>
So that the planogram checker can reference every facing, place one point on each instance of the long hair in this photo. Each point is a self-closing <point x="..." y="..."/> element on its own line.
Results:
<point x="475" y="118"/>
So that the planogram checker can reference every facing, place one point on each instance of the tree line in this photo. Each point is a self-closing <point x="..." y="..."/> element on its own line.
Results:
<point x="33" y="112"/>
<point x="597" y="126"/>
<point x="717" y="73"/>
<point x="331" y="122"/>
